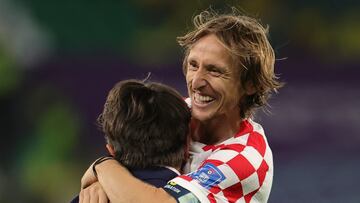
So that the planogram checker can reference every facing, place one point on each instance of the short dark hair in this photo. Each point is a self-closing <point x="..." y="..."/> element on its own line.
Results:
<point x="246" y="40"/>
<point x="147" y="123"/>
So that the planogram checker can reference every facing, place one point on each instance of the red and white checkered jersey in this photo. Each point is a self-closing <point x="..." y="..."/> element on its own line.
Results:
<point x="239" y="169"/>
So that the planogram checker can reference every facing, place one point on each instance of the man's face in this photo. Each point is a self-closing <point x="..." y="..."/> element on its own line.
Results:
<point x="213" y="81"/>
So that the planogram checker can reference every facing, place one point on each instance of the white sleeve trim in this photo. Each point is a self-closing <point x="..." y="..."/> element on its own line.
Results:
<point x="173" y="169"/>
<point x="193" y="188"/>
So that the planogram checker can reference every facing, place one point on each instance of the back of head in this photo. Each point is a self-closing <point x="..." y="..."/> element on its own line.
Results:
<point x="147" y="124"/>
<point x="246" y="40"/>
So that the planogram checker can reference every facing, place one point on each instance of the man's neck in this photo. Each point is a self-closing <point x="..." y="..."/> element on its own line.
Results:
<point x="216" y="130"/>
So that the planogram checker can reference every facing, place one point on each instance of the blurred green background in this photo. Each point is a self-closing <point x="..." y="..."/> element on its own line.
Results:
<point x="58" y="60"/>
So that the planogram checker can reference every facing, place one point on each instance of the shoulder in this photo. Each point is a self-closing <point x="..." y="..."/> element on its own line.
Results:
<point x="240" y="167"/>
<point x="157" y="176"/>
<point x="250" y="134"/>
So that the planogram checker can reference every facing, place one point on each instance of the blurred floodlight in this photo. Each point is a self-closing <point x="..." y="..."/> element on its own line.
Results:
<point x="26" y="41"/>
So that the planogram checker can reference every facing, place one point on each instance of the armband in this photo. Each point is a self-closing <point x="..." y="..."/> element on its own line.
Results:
<point x="180" y="194"/>
<point x="98" y="161"/>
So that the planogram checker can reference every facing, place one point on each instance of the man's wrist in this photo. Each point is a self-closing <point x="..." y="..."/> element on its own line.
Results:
<point x="98" y="161"/>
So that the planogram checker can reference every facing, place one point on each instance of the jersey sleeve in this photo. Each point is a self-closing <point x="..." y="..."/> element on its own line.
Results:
<point x="180" y="194"/>
<point x="233" y="173"/>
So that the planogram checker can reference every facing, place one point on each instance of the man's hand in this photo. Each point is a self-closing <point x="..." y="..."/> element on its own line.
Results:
<point x="88" y="178"/>
<point x="93" y="194"/>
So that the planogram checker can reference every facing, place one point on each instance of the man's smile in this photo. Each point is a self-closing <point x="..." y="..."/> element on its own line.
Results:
<point x="202" y="100"/>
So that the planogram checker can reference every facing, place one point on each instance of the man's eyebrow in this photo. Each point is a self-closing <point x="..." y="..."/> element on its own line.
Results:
<point x="215" y="68"/>
<point x="191" y="60"/>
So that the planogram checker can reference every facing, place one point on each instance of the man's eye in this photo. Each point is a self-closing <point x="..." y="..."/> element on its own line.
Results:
<point x="215" y="73"/>
<point x="192" y="66"/>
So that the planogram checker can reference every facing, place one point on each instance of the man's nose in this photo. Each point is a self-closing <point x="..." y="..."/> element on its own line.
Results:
<point x="199" y="79"/>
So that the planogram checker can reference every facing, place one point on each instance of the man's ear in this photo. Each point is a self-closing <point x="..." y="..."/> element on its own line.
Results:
<point x="110" y="149"/>
<point x="250" y="88"/>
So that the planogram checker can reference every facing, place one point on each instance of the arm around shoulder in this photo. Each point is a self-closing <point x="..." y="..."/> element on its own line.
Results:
<point x="121" y="186"/>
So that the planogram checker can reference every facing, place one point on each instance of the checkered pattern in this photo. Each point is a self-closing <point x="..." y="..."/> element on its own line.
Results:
<point x="242" y="164"/>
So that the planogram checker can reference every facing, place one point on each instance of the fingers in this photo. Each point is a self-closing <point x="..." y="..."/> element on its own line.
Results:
<point x="93" y="194"/>
<point x="87" y="196"/>
<point x="94" y="197"/>
<point x="103" y="198"/>
<point x="84" y="196"/>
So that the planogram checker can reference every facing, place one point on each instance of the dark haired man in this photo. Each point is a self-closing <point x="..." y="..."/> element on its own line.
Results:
<point x="229" y="69"/>
<point x="146" y="127"/>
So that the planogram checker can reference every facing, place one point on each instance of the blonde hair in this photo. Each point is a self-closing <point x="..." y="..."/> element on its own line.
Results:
<point x="246" y="40"/>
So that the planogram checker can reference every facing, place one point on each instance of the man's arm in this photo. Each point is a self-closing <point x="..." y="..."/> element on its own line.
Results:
<point x="120" y="186"/>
